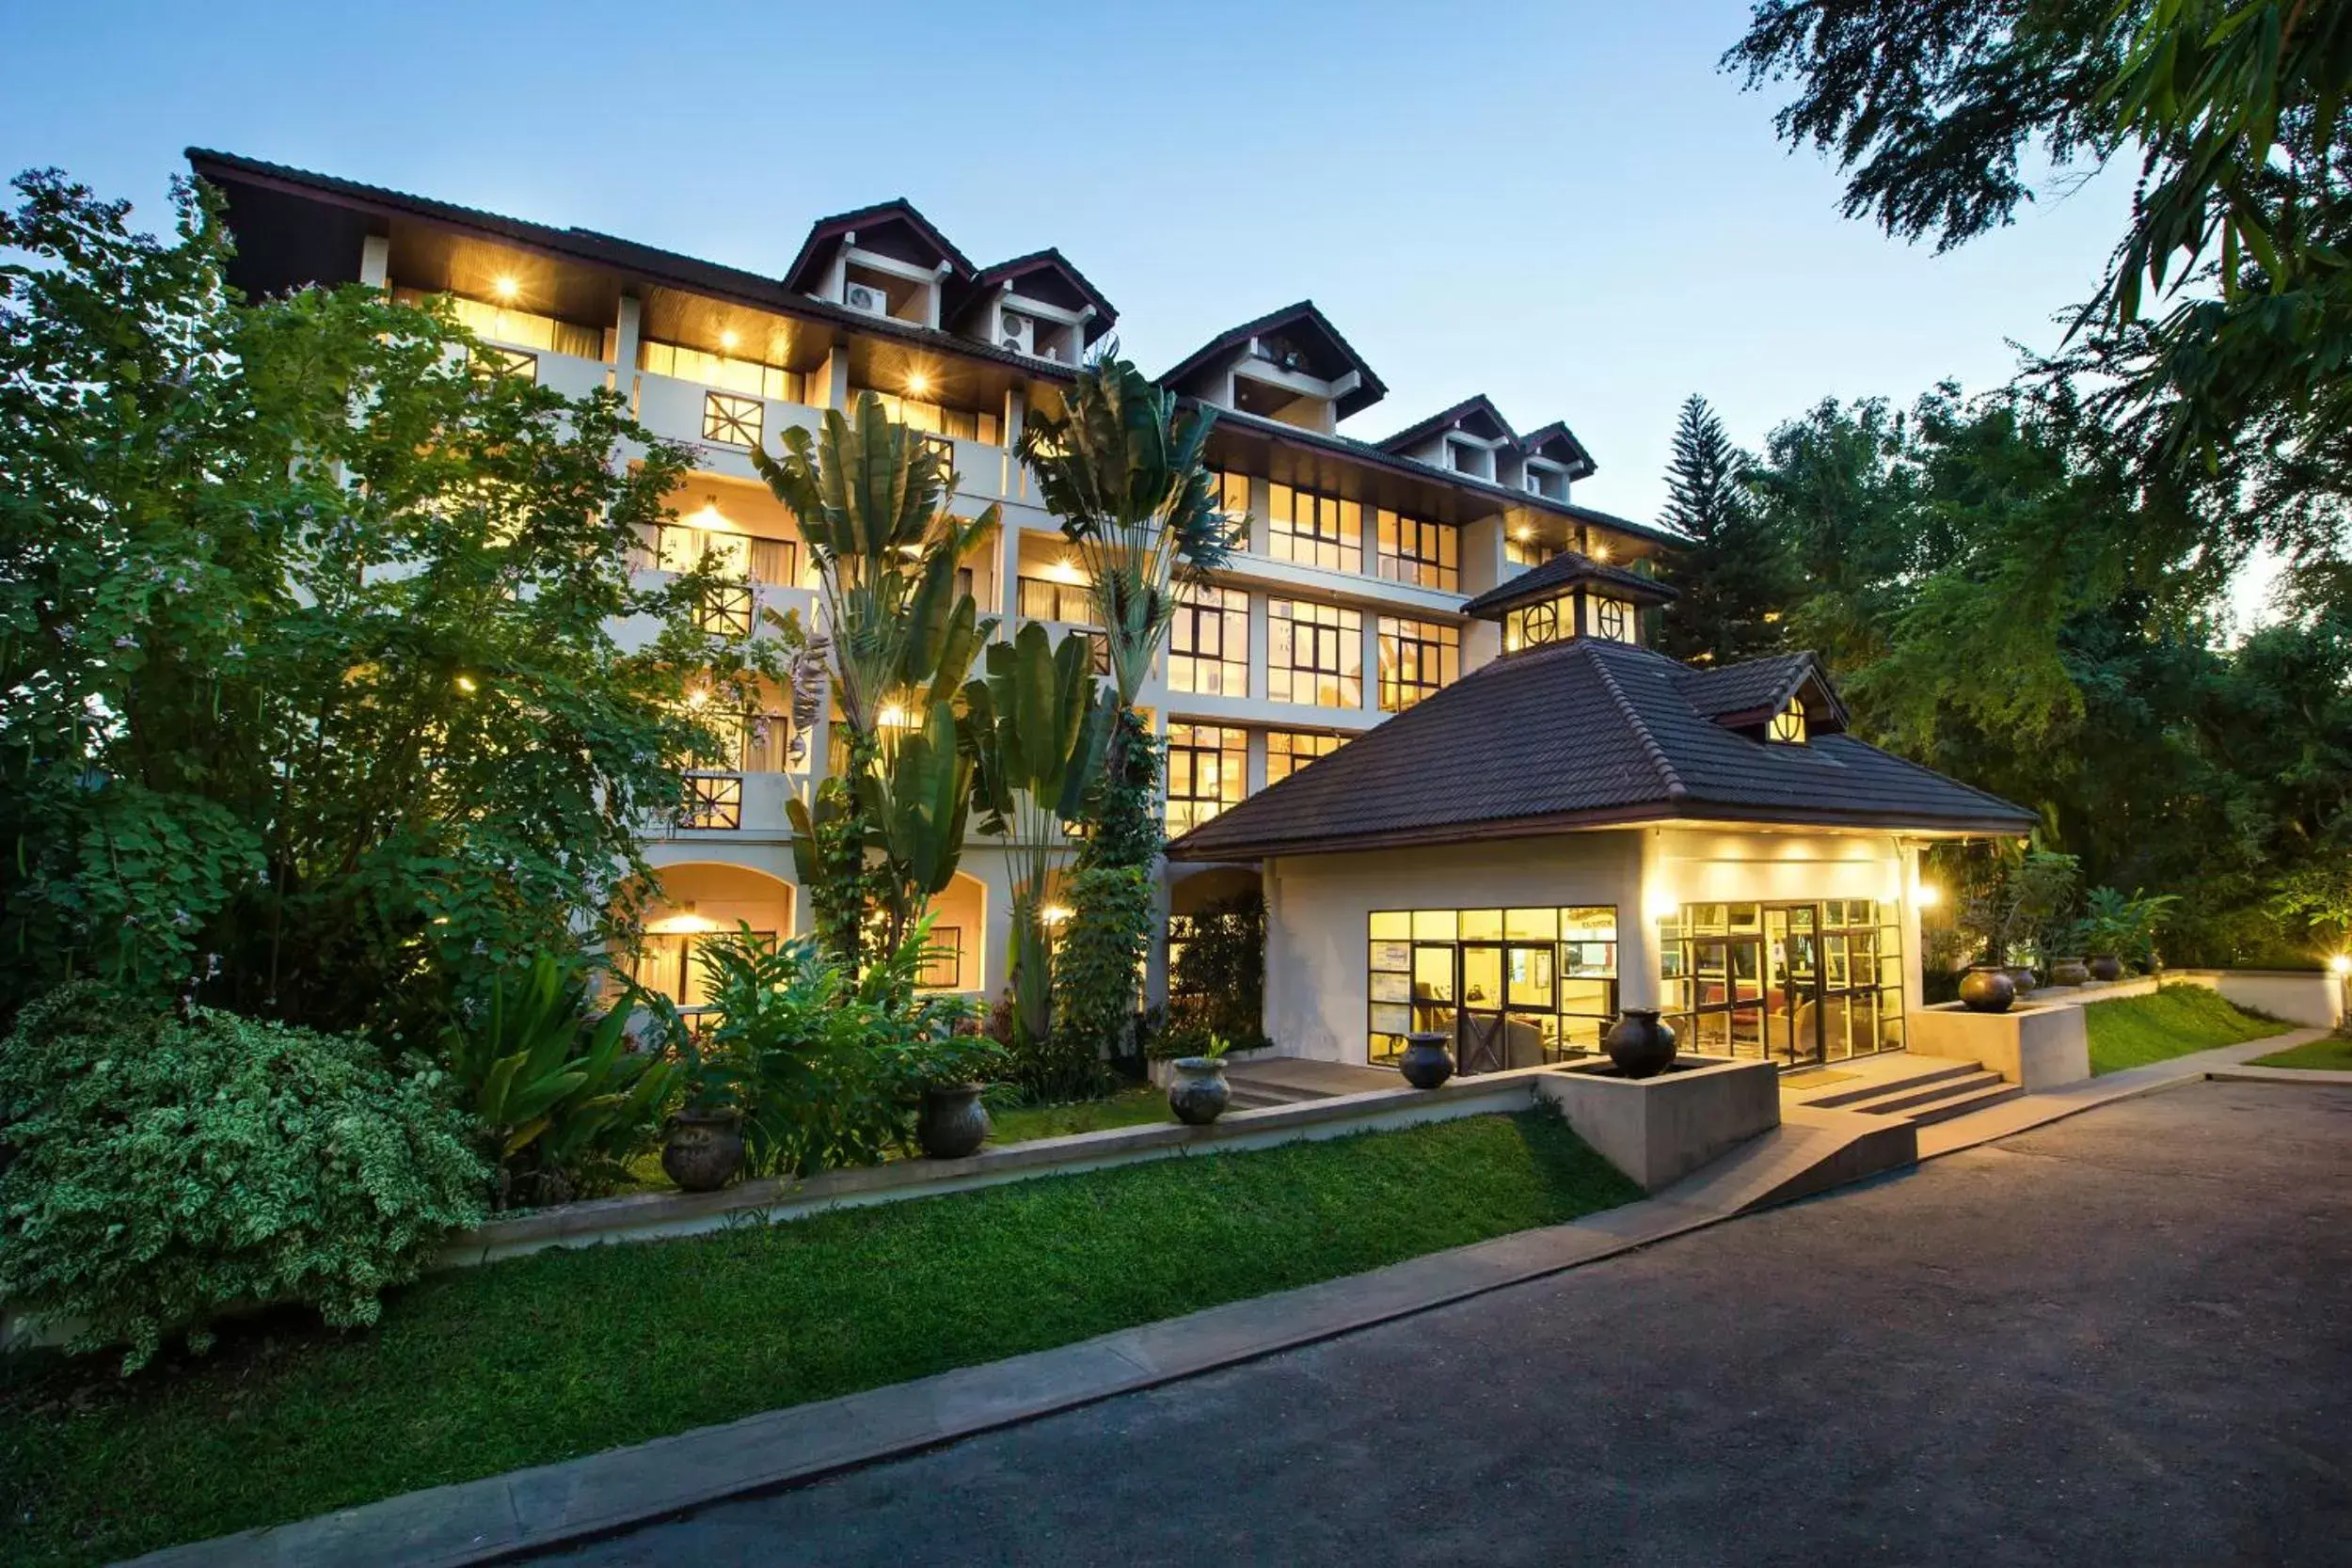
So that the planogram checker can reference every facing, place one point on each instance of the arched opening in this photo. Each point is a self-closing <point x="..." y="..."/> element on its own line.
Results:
<point x="694" y="902"/>
<point x="1213" y="884"/>
<point x="959" y="923"/>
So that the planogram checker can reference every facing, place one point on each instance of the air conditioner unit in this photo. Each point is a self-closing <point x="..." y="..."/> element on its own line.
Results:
<point x="1534" y="482"/>
<point x="866" y="297"/>
<point x="1017" y="332"/>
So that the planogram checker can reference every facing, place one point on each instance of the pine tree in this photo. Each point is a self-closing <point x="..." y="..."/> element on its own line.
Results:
<point x="1735" y="575"/>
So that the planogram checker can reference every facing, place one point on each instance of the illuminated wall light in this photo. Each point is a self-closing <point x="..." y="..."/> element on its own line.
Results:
<point x="1054" y="914"/>
<point x="505" y="288"/>
<point x="728" y="340"/>
<point x="1660" y="905"/>
<point x="1523" y="534"/>
<point x="2341" y="963"/>
<point x="697" y="697"/>
<point x="1928" y="896"/>
<point x="466" y="683"/>
<point x="918" y="384"/>
<point x="1601" y="551"/>
<point x="893" y="716"/>
<point x="1066" y="570"/>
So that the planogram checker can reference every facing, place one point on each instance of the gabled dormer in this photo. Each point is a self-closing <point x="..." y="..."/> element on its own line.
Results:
<point x="1037" y="305"/>
<point x="1471" y="438"/>
<point x="1291" y="365"/>
<point x="1782" y="700"/>
<point x="885" y="261"/>
<point x="1552" y="459"/>
<point x="1570" y="596"/>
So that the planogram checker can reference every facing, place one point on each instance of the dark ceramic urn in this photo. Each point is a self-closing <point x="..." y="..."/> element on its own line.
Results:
<point x="705" y="1149"/>
<point x="1427" y="1061"/>
<point x="953" y="1122"/>
<point x="2107" y="966"/>
<point x="1641" y="1043"/>
<point x="1197" y="1089"/>
<point x="2068" y="972"/>
<point x="1987" y="989"/>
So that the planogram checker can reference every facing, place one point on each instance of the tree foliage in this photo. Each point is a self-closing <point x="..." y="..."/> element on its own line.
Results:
<point x="311" y="703"/>
<point x="2220" y="335"/>
<point x="1734" y="575"/>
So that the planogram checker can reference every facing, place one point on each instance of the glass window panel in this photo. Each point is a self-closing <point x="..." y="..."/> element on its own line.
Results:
<point x="1315" y="654"/>
<point x="1391" y="988"/>
<point x="1482" y="925"/>
<point x="1288" y="750"/>
<point x="1391" y="923"/>
<point x="1593" y="923"/>
<point x="1530" y="979"/>
<point x="1206" y="767"/>
<point x="1208" y="642"/>
<point x="1418" y="658"/>
<point x="1433" y="974"/>
<point x="1588" y="998"/>
<point x="1481" y="976"/>
<point x="1538" y="924"/>
<point x="1434" y="924"/>
<point x="1391" y="957"/>
<point x="1388" y="1018"/>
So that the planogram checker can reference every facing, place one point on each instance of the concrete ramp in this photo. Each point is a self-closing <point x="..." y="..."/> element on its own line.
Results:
<point x="1810" y="1151"/>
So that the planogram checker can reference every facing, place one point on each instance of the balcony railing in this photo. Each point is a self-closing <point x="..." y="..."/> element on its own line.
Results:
<point x="712" y="800"/>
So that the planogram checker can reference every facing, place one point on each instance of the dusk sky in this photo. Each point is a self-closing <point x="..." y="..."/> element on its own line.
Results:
<point x="1567" y="207"/>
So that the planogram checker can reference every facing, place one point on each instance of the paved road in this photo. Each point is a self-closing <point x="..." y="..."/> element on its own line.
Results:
<point x="2124" y="1339"/>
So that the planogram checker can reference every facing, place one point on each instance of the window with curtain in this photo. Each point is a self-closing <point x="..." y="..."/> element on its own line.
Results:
<point x="1418" y="658"/>
<point x="1315" y="654"/>
<point x="1314" y="530"/>
<point x="1208" y="643"/>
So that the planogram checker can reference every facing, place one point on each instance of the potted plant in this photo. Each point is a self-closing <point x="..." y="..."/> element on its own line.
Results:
<point x="1197" y="1092"/>
<point x="952" y="1122"/>
<point x="703" y="1149"/>
<point x="2118" y="930"/>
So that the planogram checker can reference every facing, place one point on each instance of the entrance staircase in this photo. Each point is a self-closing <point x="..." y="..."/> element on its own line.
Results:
<point x="1290" y="1081"/>
<point x="1922" y="1090"/>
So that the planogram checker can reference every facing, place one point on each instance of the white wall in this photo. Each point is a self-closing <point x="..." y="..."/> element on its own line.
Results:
<point x="1319" y="913"/>
<point x="1319" y="906"/>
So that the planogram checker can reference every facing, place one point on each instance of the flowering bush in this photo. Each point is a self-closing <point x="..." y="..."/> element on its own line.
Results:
<point x="164" y="1171"/>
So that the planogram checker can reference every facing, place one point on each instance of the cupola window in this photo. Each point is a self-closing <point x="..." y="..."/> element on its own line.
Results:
<point x="1788" y="724"/>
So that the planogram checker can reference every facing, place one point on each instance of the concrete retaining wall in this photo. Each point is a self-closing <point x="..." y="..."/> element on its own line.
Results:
<point x="1660" y="1129"/>
<point x="2036" y="1045"/>
<point x="2312" y="998"/>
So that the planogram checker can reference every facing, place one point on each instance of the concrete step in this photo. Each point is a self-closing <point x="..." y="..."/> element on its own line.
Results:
<point x="1256" y="1094"/>
<point x="1809" y="1152"/>
<point x="1932" y="1069"/>
<point x="1899" y="1099"/>
<point x="1961" y="1103"/>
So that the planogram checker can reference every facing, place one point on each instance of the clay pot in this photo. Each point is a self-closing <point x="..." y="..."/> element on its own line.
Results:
<point x="1197" y="1092"/>
<point x="1641" y="1043"/>
<point x="953" y="1122"/>
<point x="2022" y="977"/>
<point x="2105" y="967"/>
<point x="705" y="1149"/>
<point x="1427" y="1061"/>
<point x="2068" y="972"/>
<point x="1987" y="989"/>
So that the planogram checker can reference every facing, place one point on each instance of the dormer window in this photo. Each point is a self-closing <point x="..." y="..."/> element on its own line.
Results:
<point x="1614" y="620"/>
<point x="1532" y="625"/>
<point x="1788" y="726"/>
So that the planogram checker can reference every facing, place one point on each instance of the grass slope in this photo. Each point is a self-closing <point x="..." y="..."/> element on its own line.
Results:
<point x="562" y="1353"/>
<point x="2174" y="1022"/>
<point x="2332" y="1054"/>
<point x="1127" y="1108"/>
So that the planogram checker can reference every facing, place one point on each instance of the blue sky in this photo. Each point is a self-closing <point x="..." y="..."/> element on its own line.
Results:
<point x="1564" y="206"/>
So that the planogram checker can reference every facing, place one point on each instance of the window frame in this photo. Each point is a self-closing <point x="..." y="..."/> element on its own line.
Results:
<point x="1229" y="753"/>
<point x="1225" y="613"/>
<point x="1404" y="634"/>
<point x="724" y="412"/>
<point x="1346" y="676"/>
<point x="1292" y="760"/>
<point x="1417" y="551"/>
<point x="1339" y="549"/>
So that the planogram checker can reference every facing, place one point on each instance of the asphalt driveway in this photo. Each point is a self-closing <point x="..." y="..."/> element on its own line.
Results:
<point x="2123" y="1338"/>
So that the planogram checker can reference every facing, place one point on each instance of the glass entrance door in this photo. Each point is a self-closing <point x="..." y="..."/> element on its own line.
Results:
<point x="1481" y="1046"/>
<point x="1792" y="1016"/>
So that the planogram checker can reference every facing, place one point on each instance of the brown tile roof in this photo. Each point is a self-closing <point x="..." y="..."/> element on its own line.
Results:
<point x="1581" y="733"/>
<point x="1565" y="571"/>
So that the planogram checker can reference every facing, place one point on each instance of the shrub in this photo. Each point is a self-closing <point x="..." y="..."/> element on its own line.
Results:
<point x="169" y="1170"/>
<point x="1096" y="977"/>
<point x="1216" y="975"/>
<point x="561" y="1105"/>
<point x="828" y="1072"/>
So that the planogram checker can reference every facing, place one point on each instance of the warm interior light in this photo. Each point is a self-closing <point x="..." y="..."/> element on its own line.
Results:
<point x="1928" y="896"/>
<point x="1523" y="534"/>
<point x="466" y="683"/>
<point x="893" y="715"/>
<point x="728" y="340"/>
<point x="2341" y="963"/>
<point x="1660" y="905"/>
<point x="918" y="384"/>
<point x="505" y="288"/>
<point x="1052" y="914"/>
<point x="1601" y="551"/>
<point x="709" y="516"/>
<point x="697" y="697"/>
<point x="1065" y="570"/>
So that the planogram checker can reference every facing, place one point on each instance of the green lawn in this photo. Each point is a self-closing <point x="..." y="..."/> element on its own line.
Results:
<point x="2332" y="1054"/>
<point x="563" y="1353"/>
<point x="1127" y="1108"/>
<point x="2137" y="1030"/>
